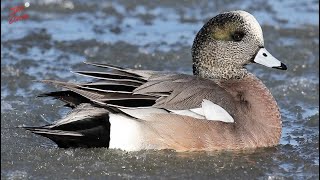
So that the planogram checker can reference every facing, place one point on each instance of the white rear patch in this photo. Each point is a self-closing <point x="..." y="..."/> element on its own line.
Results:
<point x="209" y="111"/>
<point x="125" y="133"/>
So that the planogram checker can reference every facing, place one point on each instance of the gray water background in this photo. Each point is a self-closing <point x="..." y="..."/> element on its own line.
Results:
<point x="61" y="34"/>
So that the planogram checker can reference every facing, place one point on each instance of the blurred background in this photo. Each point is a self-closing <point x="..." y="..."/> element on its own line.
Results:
<point x="58" y="35"/>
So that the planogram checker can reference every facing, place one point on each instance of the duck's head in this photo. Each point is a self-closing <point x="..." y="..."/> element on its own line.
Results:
<point x="228" y="42"/>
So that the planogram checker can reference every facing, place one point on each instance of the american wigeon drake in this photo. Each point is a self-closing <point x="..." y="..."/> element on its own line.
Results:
<point x="221" y="106"/>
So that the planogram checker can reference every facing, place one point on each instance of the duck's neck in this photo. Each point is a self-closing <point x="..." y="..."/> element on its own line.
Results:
<point x="220" y="73"/>
<point x="259" y="121"/>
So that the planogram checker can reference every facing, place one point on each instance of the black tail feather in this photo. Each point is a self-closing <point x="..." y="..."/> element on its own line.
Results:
<point x="71" y="98"/>
<point x="82" y="131"/>
<point x="98" y="136"/>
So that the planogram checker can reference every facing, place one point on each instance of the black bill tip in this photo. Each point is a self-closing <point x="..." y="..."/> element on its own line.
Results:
<point x="282" y="67"/>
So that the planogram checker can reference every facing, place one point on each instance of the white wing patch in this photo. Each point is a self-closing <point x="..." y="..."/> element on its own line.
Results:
<point x="143" y="113"/>
<point x="209" y="111"/>
<point x="215" y="112"/>
<point x="190" y="112"/>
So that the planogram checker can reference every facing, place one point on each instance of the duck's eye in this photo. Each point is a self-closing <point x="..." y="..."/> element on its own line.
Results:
<point x="237" y="36"/>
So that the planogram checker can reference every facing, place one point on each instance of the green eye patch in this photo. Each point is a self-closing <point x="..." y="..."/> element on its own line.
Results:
<point x="227" y="32"/>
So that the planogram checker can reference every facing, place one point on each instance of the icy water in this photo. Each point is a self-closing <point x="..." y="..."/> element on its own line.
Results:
<point x="60" y="34"/>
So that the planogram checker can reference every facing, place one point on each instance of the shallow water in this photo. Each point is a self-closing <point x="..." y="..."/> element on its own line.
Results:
<point x="157" y="35"/>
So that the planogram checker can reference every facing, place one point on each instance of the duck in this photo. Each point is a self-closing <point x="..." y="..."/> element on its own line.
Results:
<point x="221" y="106"/>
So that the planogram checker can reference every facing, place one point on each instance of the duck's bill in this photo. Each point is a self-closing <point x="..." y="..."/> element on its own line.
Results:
<point x="263" y="57"/>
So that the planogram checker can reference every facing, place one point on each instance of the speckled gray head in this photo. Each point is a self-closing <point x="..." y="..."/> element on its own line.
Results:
<point x="228" y="42"/>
